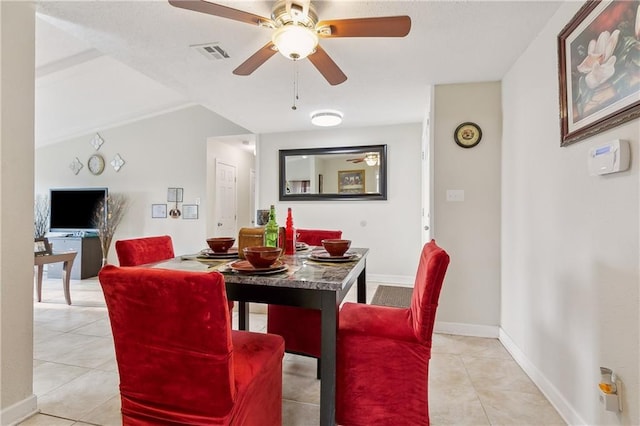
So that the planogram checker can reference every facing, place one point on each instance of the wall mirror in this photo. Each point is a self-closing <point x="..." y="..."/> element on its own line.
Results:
<point x="340" y="173"/>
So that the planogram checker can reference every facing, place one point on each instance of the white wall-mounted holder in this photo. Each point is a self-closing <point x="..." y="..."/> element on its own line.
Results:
<point x="612" y="157"/>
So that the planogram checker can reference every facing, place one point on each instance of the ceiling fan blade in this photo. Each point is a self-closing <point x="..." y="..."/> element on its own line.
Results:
<point x="386" y="26"/>
<point x="219" y="10"/>
<point x="255" y="60"/>
<point x="329" y="70"/>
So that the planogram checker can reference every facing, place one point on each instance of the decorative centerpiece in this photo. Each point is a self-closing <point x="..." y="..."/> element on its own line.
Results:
<point x="106" y="221"/>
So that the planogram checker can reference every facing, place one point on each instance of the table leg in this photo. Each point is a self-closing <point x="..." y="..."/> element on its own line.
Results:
<point x="39" y="282"/>
<point x="362" y="285"/>
<point x="243" y="316"/>
<point x="66" y="275"/>
<point x="329" y="332"/>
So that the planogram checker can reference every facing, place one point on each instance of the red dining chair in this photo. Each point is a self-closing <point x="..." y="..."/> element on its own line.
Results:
<point x="300" y="327"/>
<point x="178" y="360"/>
<point x="383" y="353"/>
<point x="140" y="251"/>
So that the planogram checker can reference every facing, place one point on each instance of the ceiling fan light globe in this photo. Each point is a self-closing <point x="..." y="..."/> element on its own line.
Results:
<point x="295" y="41"/>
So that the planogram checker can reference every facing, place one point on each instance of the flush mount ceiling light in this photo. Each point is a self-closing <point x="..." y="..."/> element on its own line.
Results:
<point x="326" y="118"/>
<point x="295" y="41"/>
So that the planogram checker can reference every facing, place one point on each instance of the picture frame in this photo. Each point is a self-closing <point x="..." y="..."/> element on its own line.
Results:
<point x="174" y="195"/>
<point x="158" y="211"/>
<point x="189" y="211"/>
<point x="41" y="247"/>
<point x="599" y="69"/>
<point x="351" y="181"/>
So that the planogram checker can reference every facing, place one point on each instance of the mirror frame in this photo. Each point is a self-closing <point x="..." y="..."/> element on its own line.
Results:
<point x="382" y="195"/>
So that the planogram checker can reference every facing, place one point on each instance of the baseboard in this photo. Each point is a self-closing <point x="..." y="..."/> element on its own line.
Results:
<point x="460" y="329"/>
<point x="19" y="411"/>
<point x="556" y="399"/>
<point x="391" y="280"/>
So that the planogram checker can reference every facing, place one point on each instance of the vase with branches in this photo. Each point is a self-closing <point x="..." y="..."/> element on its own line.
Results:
<point x="41" y="212"/>
<point x="106" y="220"/>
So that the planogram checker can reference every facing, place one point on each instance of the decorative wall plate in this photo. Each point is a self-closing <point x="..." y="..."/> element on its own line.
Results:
<point x="467" y="135"/>
<point x="96" y="164"/>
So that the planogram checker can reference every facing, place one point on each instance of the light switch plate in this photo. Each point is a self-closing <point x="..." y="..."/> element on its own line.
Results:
<point x="455" y="195"/>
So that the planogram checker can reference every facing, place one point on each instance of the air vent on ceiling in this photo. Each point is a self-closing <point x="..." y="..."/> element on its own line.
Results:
<point x="212" y="51"/>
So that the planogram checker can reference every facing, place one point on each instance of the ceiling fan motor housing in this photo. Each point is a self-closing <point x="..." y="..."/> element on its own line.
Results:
<point x="287" y="13"/>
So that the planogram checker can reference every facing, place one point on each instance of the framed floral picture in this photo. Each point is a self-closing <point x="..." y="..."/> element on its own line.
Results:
<point x="599" y="64"/>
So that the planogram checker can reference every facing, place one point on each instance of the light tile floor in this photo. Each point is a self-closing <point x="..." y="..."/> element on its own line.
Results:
<point x="473" y="381"/>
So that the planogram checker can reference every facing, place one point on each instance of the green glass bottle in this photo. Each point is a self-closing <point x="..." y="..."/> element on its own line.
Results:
<point x="271" y="229"/>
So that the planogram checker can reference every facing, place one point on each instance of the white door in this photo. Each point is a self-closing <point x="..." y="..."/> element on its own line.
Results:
<point x="225" y="199"/>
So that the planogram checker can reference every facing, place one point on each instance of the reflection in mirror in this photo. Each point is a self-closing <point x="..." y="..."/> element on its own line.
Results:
<point x="351" y="173"/>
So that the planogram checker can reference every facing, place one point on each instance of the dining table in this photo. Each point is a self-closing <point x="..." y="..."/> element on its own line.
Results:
<point x="304" y="280"/>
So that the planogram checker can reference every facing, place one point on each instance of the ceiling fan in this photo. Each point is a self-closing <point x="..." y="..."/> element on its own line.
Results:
<point x="297" y="32"/>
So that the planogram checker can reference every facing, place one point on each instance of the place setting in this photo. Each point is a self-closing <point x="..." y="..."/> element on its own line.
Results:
<point x="220" y="248"/>
<point x="334" y="250"/>
<point x="259" y="260"/>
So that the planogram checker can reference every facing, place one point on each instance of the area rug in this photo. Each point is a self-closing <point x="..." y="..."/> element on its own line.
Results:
<point x="399" y="297"/>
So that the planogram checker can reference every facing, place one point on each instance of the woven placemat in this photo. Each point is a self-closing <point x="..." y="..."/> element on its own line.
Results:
<point x="386" y="295"/>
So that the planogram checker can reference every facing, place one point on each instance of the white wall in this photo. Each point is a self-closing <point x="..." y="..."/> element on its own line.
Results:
<point x="16" y="210"/>
<point x="570" y="257"/>
<point x="468" y="230"/>
<point x="391" y="228"/>
<point x="169" y="150"/>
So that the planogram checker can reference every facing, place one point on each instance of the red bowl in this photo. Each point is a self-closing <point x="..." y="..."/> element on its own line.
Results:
<point x="336" y="247"/>
<point x="261" y="256"/>
<point x="220" y="244"/>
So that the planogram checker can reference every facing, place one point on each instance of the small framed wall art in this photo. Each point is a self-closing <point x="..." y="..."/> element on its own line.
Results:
<point x="174" y="195"/>
<point x="189" y="211"/>
<point x="158" y="211"/>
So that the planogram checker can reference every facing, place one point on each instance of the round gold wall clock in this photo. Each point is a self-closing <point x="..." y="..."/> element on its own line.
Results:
<point x="95" y="164"/>
<point x="467" y="134"/>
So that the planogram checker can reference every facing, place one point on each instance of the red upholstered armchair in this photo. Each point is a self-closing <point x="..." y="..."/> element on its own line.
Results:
<point x="178" y="359"/>
<point x="300" y="327"/>
<point x="383" y="353"/>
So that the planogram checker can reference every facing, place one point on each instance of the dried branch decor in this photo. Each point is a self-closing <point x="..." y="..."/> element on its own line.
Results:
<point x="41" y="216"/>
<point x="106" y="222"/>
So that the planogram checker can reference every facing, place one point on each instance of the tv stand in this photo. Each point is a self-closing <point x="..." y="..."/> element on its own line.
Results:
<point x="88" y="260"/>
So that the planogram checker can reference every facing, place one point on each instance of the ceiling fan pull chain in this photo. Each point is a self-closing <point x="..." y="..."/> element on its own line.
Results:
<point x="295" y="85"/>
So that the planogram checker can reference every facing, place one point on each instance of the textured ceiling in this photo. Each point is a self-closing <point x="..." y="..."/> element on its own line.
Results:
<point x="103" y="63"/>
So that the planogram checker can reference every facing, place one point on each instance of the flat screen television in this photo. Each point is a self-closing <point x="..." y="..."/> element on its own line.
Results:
<point x="73" y="209"/>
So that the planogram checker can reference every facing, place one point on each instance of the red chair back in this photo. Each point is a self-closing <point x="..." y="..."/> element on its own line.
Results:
<point x="426" y="290"/>
<point x="139" y="251"/>
<point x="314" y="237"/>
<point x="172" y="336"/>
